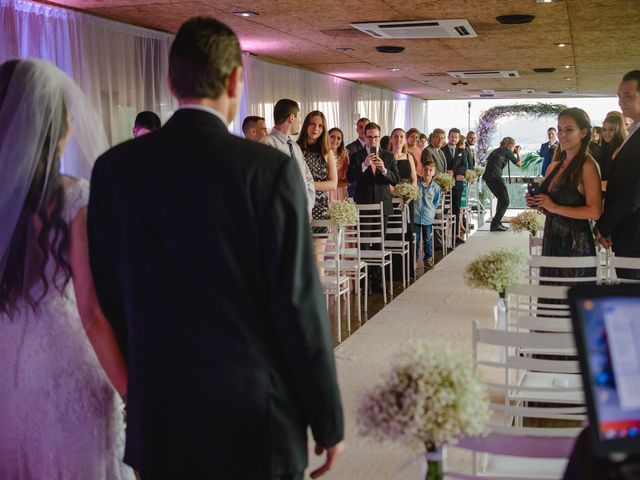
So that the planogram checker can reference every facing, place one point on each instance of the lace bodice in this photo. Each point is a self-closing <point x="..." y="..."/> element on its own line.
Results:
<point x="59" y="415"/>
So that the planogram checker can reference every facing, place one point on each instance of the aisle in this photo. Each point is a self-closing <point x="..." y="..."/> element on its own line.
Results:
<point x="439" y="307"/>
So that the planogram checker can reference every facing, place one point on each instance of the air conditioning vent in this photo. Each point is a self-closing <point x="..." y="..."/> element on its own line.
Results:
<point x="486" y="74"/>
<point x="418" y="29"/>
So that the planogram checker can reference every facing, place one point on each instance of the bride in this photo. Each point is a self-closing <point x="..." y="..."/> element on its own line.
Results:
<point x="60" y="412"/>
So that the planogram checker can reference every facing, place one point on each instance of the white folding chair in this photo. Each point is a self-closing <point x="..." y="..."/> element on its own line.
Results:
<point x="397" y="225"/>
<point x="538" y="262"/>
<point x="353" y="266"/>
<point x="373" y="250"/>
<point x="441" y="226"/>
<point x="334" y="281"/>
<point x="618" y="267"/>
<point x="535" y="245"/>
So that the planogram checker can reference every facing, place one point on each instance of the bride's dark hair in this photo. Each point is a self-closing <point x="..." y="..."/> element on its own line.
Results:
<point x="28" y="254"/>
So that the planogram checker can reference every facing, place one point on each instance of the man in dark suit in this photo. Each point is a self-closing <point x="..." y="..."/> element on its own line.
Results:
<point x="354" y="147"/>
<point x="373" y="170"/>
<point x="456" y="165"/>
<point x="619" y="224"/>
<point x="201" y="253"/>
<point x="548" y="150"/>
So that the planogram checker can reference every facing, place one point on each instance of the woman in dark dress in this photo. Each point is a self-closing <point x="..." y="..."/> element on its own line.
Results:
<point x="570" y="195"/>
<point x="407" y="170"/>
<point x="614" y="132"/>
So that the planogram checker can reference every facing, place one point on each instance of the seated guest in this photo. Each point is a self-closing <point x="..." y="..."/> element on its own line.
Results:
<point x="425" y="211"/>
<point x="254" y="128"/>
<point x="336" y="143"/>
<point x="144" y="123"/>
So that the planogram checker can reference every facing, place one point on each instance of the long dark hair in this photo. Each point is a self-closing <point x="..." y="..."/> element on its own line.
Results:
<point x="572" y="175"/>
<point x="322" y="144"/>
<point x="619" y="130"/>
<point x="28" y="254"/>
<point x="341" y="147"/>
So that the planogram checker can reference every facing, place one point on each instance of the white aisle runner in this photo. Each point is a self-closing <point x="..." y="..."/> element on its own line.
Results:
<point x="439" y="308"/>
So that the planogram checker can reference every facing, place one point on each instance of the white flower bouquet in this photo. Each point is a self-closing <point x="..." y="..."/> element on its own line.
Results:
<point x="496" y="270"/>
<point x="479" y="170"/>
<point x="430" y="395"/>
<point x="406" y="192"/>
<point x="445" y="181"/>
<point x="470" y="176"/>
<point x="343" y="212"/>
<point x="529" y="220"/>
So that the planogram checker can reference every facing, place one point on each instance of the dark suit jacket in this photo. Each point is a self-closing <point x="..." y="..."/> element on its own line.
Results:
<point x="374" y="188"/>
<point x="200" y="249"/>
<point x="471" y="156"/>
<point x="621" y="215"/>
<point x="456" y="162"/>
<point x="354" y="147"/>
<point x="547" y="153"/>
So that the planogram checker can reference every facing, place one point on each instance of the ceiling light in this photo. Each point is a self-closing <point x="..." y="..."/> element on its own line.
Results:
<point x="394" y="69"/>
<point x="544" y="70"/>
<point x="246" y="13"/>
<point x="344" y="49"/>
<point x="567" y="66"/>
<point x="561" y="44"/>
<point x="448" y="90"/>
<point x="568" y="78"/>
<point x="515" y="19"/>
<point x="556" y="92"/>
<point x="546" y="1"/>
<point x="389" y="49"/>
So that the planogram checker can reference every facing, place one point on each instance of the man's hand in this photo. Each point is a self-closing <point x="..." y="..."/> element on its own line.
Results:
<point x="332" y="454"/>
<point x="459" y="178"/>
<point x="604" y="241"/>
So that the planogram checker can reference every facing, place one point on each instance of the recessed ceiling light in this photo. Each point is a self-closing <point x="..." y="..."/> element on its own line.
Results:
<point x="544" y="70"/>
<point x="568" y="78"/>
<point x="394" y="69"/>
<point x="448" y="90"/>
<point x="567" y="66"/>
<point x="546" y="1"/>
<point x="344" y="49"/>
<point x="562" y="44"/>
<point x="515" y="19"/>
<point x="389" y="49"/>
<point x="246" y="13"/>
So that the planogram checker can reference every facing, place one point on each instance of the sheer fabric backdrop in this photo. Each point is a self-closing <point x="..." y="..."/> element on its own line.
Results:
<point x="123" y="70"/>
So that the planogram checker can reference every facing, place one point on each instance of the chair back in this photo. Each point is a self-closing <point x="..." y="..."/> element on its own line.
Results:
<point x="371" y="220"/>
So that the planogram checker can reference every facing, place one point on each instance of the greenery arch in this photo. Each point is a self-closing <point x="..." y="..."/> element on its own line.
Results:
<point x="487" y="122"/>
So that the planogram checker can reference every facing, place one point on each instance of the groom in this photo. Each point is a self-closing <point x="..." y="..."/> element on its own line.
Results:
<point x="202" y="259"/>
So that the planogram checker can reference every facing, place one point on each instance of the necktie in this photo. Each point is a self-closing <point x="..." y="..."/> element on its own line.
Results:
<point x="290" y="143"/>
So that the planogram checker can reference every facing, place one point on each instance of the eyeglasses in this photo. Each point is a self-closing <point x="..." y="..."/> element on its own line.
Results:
<point x="371" y="137"/>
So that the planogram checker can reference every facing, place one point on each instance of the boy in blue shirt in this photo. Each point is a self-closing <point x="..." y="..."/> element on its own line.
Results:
<point x="425" y="211"/>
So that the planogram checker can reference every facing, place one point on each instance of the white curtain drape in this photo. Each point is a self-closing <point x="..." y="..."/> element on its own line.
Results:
<point x="123" y="70"/>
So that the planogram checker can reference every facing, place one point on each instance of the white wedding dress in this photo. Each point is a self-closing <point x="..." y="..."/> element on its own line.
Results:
<point x="60" y="417"/>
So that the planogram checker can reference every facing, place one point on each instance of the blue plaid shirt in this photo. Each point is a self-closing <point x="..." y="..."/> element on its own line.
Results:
<point x="425" y="205"/>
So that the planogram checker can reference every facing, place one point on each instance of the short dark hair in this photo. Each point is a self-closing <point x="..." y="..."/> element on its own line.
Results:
<point x="551" y="128"/>
<point x="283" y="108"/>
<point x="423" y="136"/>
<point x="203" y="55"/>
<point x="413" y="130"/>
<point x="148" y="120"/>
<point x="363" y="119"/>
<point x="248" y="122"/>
<point x="371" y="126"/>
<point x="454" y="130"/>
<point x="632" y="75"/>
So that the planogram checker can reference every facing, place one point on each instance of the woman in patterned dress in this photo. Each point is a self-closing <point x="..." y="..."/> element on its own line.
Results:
<point x="314" y="142"/>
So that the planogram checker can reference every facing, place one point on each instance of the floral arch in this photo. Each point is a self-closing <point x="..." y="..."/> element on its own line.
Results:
<point x="487" y="121"/>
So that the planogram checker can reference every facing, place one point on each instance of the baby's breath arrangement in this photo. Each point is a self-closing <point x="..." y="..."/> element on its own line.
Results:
<point x="430" y="395"/>
<point x="529" y="220"/>
<point x="496" y="270"/>
<point x="470" y="176"/>
<point x="407" y="192"/>
<point x="479" y="170"/>
<point x="343" y="212"/>
<point x="445" y="181"/>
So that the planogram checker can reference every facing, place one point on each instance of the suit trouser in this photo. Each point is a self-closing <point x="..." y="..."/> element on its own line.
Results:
<point x="499" y="190"/>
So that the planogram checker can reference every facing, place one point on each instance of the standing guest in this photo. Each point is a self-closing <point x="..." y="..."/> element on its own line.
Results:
<point x="425" y="212"/>
<point x="254" y="128"/>
<point x="496" y="161"/>
<point x="423" y="142"/>
<point x="414" y="148"/>
<point x="373" y="170"/>
<point x="357" y="145"/>
<point x="596" y="135"/>
<point x="360" y="142"/>
<point x="548" y="150"/>
<point x="619" y="225"/>
<point x="432" y="151"/>
<point x="314" y="142"/>
<point x="144" y="123"/>
<point x="613" y="135"/>
<point x="385" y="143"/>
<point x="628" y="121"/>
<point x="456" y="166"/>
<point x="213" y="374"/>
<point x="286" y="118"/>
<point x="341" y="154"/>
<point x="407" y="172"/>
<point x="470" y="148"/>
<point x="570" y="195"/>
<point x="60" y="412"/>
